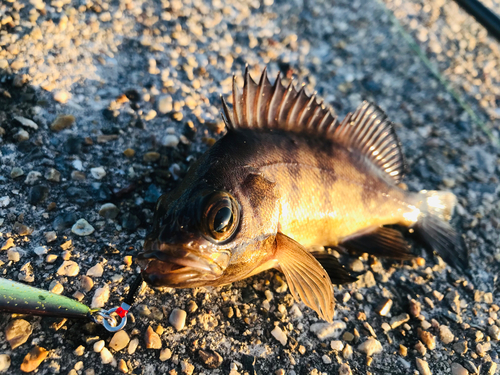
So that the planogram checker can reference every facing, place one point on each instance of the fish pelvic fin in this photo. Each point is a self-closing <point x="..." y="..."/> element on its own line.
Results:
<point x="307" y="279"/>
<point x="434" y="231"/>
<point x="367" y="131"/>
<point x="338" y="274"/>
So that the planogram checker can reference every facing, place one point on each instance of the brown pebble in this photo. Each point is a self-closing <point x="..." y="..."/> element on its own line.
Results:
<point x="415" y="308"/>
<point x="8" y="244"/>
<point x="152" y="339"/>
<point x="122" y="366"/>
<point x="427" y="338"/>
<point x="33" y="359"/>
<point x="211" y="359"/>
<point x="423" y="367"/>
<point x="151" y="157"/>
<point x="62" y="122"/>
<point x="129" y="152"/>
<point x="17" y="332"/>
<point x="119" y="341"/>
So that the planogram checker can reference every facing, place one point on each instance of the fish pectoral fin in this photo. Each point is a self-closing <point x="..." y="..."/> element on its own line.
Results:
<point x="307" y="280"/>
<point x="338" y="274"/>
<point x="381" y="242"/>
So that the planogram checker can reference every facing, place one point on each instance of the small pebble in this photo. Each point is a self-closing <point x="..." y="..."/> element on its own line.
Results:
<point x="165" y="354"/>
<point x="398" y="320"/>
<point x="62" y="122"/>
<point x="109" y="211"/>
<point x="4" y="362"/>
<point x="16" y="172"/>
<point x="132" y="346"/>
<point x="279" y="335"/>
<point x="151" y="157"/>
<point x="122" y="366"/>
<point x="32" y="177"/>
<point x="13" y="255"/>
<point x="106" y="356"/>
<point x="347" y="352"/>
<point x="61" y="96"/>
<point x="98" y="173"/>
<point x="82" y="228"/>
<point x="69" y="268"/>
<point x="86" y="283"/>
<point x="370" y="347"/>
<point x="326" y="331"/>
<point x="4" y="201"/>
<point x="100" y="298"/>
<point x="428" y="339"/>
<point x="119" y="341"/>
<point x="326" y="360"/>
<point x="95" y="271"/>
<point x="53" y="175"/>
<point x="415" y="308"/>
<point x="211" y="359"/>
<point x="337" y="345"/>
<point x="21" y="135"/>
<point x="50" y="236"/>
<point x="165" y="104"/>
<point x="170" y="140"/>
<point x="423" y="367"/>
<point x="129" y="153"/>
<point x="494" y="332"/>
<point x="17" y="332"/>
<point x="152" y="339"/>
<point x="98" y="345"/>
<point x="385" y="307"/>
<point x="26" y="122"/>
<point x="345" y="369"/>
<point x="33" y="359"/>
<point x="8" y="244"/>
<point x="458" y="369"/>
<point x="177" y="319"/>
<point x="445" y="334"/>
<point x="79" y="351"/>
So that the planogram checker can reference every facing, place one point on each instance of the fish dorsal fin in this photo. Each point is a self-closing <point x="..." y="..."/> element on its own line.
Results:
<point x="370" y="133"/>
<point x="265" y="106"/>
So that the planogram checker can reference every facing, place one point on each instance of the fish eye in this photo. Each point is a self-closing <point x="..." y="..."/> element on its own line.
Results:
<point x="220" y="217"/>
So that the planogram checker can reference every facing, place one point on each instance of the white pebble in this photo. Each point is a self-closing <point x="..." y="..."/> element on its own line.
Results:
<point x="132" y="346"/>
<point x="328" y="330"/>
<point x="98" y="172"/>
<point x="77" y="164"/>
<point x="4" y="362"/>
<point x="106" y="356"/>
<point x="95" y="271"/>
<point x="370" y="347"/>
<point x="68" y="268"/>
<point x="4" y="201"/>
<point x="26" y="122"/>
<point x="178" y="319"/>
<point x="279" y="335"/>
<point x="98" y="346"/>
<point x="32" y="177"/>
<point x="61" y="96"/>
<point x="170" y="140"/>
<point x="40" y="250"/>
<point x="326" y="360"/>
<point x="337" y="345"/>
<point x="100" y="298"/>
<point x="82" y="228"/>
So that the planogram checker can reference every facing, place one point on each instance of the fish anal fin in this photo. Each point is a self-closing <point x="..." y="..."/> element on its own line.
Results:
<point x="338" y="274"/>
<point x="381" y="242"/>
<point x="369" y="132"/>
<point x="306" y="278"/>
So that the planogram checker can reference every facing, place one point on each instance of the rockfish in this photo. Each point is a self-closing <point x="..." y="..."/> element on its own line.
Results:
<point x="287" y="176"/>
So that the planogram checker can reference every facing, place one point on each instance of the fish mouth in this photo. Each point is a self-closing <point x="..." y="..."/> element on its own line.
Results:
<point x="180" y="266"/>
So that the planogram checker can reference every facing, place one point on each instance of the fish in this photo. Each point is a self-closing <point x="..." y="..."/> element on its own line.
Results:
<point x="288" y="176"/>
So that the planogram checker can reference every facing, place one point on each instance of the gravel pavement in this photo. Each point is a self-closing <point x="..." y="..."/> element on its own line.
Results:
<point x="103" y="107"/>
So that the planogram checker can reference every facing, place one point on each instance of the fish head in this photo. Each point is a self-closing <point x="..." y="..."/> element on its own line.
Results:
<point x="191" y="241"/>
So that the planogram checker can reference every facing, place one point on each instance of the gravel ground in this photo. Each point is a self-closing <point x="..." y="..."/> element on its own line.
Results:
<point x="103" y="106"/>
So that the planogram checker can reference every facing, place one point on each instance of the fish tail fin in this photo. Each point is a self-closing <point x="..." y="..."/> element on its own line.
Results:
<point x="436" y="233"/>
